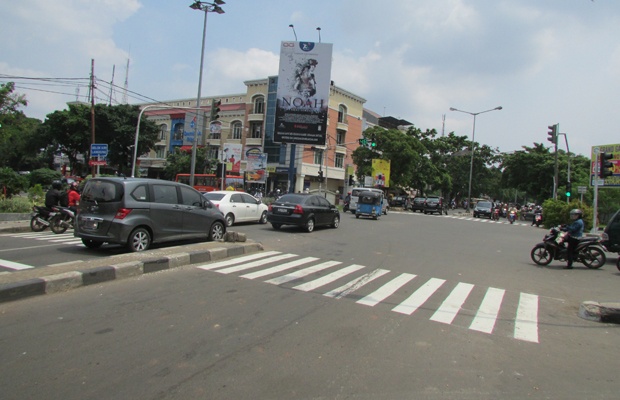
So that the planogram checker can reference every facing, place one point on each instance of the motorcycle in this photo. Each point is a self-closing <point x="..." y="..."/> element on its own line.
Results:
<point x="495" y="214"/>
<point x="589" y="251"/>
<point x="62" y="220"/>
<point x="512" y="217"/>
<point x="537" y="220"/>
<point x="345" y="208"/>
<point x="40" y="218"/>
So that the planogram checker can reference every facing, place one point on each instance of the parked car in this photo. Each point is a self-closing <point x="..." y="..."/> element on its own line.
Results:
<point x="483" y="209"/>
<point x="434" y="204"/>
<point x="238" y="206"/>
<point x="304" y="210"/>
<point x="399" y="201"/>
<point x="418" y="204"/>
<point x="137" y="212"/>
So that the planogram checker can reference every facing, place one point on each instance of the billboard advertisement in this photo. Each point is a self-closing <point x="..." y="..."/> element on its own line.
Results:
<point x="194" y="122"/>
<point x="614" y="179"/>
<point x="256" y="160"/>
<point x="304" y="78"/>
<point x="380" y="173"/>
<point x="232" y="156"/>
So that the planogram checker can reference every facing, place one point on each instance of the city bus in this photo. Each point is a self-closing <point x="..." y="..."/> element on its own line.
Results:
<point x="210" y="182"/>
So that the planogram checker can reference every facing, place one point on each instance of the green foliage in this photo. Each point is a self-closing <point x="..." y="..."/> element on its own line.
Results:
<point x="179" y="162"/>
<point x="11" y="182"/>
<point x="44" y="177"/>
<point x="36" y="194"/>
<point x="15" y="204"/>
<point x="557" y="212"/>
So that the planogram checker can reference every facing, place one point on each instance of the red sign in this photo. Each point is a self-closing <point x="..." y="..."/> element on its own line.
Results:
<point x="97" y="162"/>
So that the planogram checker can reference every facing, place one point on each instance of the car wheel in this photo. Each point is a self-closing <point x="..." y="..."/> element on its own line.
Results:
<point x="92" y="244"/>
<point x="263" y="218"/>
<point x="217" y="231"/>
<point x="139" y="240"/>
<point x="276" y="226"/>
<point x="425" y="212"/>
<point x="310" y="225"/>
<point x="230" y="219"/>
<point x="336" y="222"/>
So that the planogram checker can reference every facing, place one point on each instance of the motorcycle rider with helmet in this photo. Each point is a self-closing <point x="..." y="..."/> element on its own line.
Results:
<point x="575" y="231"/>
<point x="56" y="196"/>
<point x="74" y="196"/>
<point x="537" y="210"/>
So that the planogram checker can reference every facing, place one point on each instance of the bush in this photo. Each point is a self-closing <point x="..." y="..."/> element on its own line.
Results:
<point x="44" y="177"/>
<point x="16" y="204"/>
<point x="557" y="212"/>
<point x="11" y="183"/>
<point x="36" y="194"/>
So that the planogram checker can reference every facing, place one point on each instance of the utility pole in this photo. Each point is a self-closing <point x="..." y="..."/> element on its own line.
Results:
<point x="92" y="110"/>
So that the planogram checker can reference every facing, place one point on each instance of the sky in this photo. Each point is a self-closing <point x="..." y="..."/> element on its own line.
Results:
<point x="543" y="61"/>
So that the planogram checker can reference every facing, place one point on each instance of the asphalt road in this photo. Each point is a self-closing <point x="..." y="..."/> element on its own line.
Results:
<point x="380" y="320"/>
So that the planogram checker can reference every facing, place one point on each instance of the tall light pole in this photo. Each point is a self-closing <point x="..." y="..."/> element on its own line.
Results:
<point x="473" y="138"/>
<point x="207" y="8"/>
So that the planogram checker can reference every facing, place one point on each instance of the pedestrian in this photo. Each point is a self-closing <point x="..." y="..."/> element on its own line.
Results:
<point x="574" y="232"/>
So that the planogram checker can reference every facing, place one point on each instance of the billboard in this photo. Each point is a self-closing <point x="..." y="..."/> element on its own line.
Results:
<point x="610" y="181"/>
<point x="256" y="165"/>
<point x="194" y="122"/>
<point x="380" y="173"/>
<point x="304" y="78"/>
<point x="232" y="157"/>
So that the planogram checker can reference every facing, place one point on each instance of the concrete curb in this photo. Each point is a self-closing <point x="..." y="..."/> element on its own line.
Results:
<point x="600" y="312"/>
<point x="65" y="281"/>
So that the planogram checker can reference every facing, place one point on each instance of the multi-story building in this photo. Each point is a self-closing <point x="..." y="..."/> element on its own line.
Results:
<point x="247" y="122"/>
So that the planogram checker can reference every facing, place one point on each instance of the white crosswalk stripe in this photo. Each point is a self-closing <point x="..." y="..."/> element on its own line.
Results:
<point x="64" y="238"/>
<point x="451" y="298"/>
<point x="502" y="221"/>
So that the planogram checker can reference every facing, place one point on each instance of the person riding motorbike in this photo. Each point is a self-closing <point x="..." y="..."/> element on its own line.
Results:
<point x="537" y="211"/>
<point x="56" y="196"/>
<point x="575" y="231"/>
<point x="74" y="196"/>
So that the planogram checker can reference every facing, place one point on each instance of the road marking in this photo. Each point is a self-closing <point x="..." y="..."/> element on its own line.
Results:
<point x="386" y="290"/>
<point x="317" y="283"/>
<point x="355" y="284"/>
<point x="302" y="272"/>
<point x="238" y="260"/>
<point x="279" y="268"/>
<point x="452" y="305"/>
<point x="419" y="297"/>
<point x="488" y="311"/>
<point x="526" y="325"/>
<point x="14" y="265"/>
<point x="257" y="263"/>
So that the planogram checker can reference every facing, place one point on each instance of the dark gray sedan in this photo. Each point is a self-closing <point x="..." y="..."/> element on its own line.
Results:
<point x="483" y="209"/>
<point x="304" y="210"/>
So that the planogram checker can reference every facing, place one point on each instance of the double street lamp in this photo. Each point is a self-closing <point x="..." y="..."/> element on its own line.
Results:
<point x="207" y="7"/>
<point x="473" y="138"/>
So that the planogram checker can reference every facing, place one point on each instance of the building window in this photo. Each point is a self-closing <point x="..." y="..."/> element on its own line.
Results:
<point x="236" y="130"/>
<point x="163" y="128"/>
<point x="256" y="130"/>
<point x="340" y="137"/>
<point x="318" y="157"/>
<point x="259" y="105"/>
<point x="160" y="152"/>
<point x="339" y="162"/>
<point x="178" y="131"/>
<point x="212" y="152"/>
<point x="342" y="114"/>
<point x="216" y="129"/>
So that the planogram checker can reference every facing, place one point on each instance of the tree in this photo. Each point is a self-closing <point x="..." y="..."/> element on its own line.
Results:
<point x="180" y="161"/>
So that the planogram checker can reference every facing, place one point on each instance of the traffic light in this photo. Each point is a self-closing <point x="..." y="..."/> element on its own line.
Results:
<point x="605" y="166"/>
<point x="568" y="189"/>
<point x="373" y="144"/>
<point x="215" y="110"/>
<point x="320" y="176"/>
<point x="553" y="134"/>
<point x="363" y="141"/>
<point x="351" y="181"/>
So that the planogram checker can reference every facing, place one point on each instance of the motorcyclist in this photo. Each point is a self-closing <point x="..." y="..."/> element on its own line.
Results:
<point x="537" y="211"/>
<point x="575" y="231"/>
<point x="56" y="196"/>
<point x="74" y="196"/>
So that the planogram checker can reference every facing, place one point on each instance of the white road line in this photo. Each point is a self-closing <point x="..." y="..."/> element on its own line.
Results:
<point x="302" y="272"/>
<point x="239" y="260"/>
<point x="14" y="265"/>
<point x="452" y="305"/>
<point x="526" y="325"/>
<point x="257" y="263"/>
<point x="488" y="311"/>
<point x="386" y="290"/>
<point x="317" y="283"/>
<point x="279" y="268"/>
<point x="355" y="284"/>
<point x="419" y="297"/>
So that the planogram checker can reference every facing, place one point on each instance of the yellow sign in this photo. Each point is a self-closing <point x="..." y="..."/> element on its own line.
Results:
<point x="614" y="150"/>
<point x="381" y="173"/>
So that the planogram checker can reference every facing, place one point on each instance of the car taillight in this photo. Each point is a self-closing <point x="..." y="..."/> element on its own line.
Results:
<point x="122" y="213"/>
<point x="298" y="209"/>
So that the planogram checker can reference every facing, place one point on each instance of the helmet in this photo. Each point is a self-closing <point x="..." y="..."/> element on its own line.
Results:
<point x="576" y="213"/>
<point x="74" y="185"/>
<point x="57" y="185"/>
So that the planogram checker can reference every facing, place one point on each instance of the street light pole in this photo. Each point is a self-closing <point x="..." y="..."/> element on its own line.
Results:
<point x="473" y="138"/>
<point x="206" y="7"/>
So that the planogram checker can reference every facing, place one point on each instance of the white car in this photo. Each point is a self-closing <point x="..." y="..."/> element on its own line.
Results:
<point x="238" y="206"/>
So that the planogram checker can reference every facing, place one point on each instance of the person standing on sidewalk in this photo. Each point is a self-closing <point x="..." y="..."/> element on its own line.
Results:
<point x="575" y="231"/>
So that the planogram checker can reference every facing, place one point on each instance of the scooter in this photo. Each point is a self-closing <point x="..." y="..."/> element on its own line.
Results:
<point x="495" y="214"/>
<point x="512" y="217"/>
<point x="63" y="220"/>
<point x="345" y="208"/>
<point x="537" y="220"/>
<point x="40" y="218"/>
<point x="589" y="251"/>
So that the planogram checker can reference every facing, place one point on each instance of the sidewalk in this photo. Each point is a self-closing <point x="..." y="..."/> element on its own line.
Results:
<point x="66" y="276"/>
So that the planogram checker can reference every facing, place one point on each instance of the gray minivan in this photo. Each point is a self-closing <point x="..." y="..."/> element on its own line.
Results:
<point x="136" y="212"/>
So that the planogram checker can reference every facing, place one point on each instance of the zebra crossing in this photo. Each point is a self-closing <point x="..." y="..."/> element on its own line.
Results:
<point x="48" y="236"/>
<point x="502" y="221"/>
<point x="382" y="286"/>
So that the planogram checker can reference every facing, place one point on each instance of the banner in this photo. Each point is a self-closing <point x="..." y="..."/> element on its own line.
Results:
<point x="193" y="122"/>
<point x="232" y="156"/>
<point x="304" y="78"/>
<point x="381" y="173"/>
<point x="256" y="165"/>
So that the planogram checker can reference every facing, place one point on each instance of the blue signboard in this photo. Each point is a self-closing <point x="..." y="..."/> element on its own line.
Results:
<point x="98" y="150"/>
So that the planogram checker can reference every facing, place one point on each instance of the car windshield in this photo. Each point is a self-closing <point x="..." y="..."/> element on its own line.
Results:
<point x="214" y="196"/>
<point x="432" y="200"/>
<point x="486" y="204"/>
